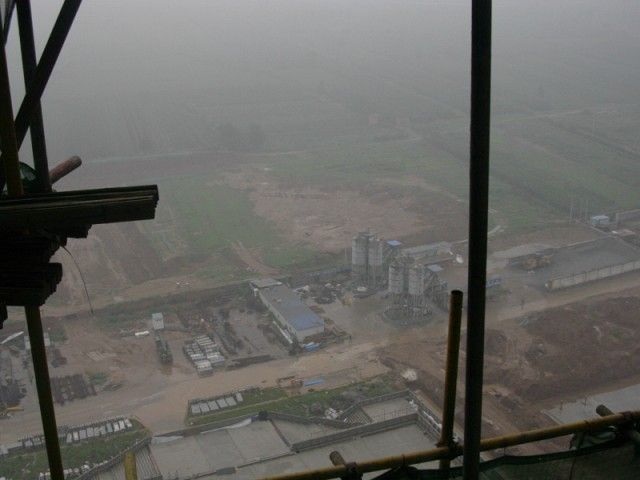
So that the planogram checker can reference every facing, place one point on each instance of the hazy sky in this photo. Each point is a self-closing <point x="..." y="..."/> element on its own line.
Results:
<point x="575" y="52"/>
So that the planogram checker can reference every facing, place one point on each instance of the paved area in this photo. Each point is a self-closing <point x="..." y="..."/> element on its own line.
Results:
<point x="393" y="442"/>
<point x="296" y="432"/>
<point x="389" y="409"/>
<point x="215" y="450"/>
<point x="621" y="400"/>
<point x="146" y="468"/>
<point x="585" y="257"/>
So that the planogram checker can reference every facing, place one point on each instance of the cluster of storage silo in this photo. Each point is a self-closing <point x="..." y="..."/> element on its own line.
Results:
<point x="396" y="277"/>
<point x="359" y="256"/>
<point x="367" y="259"/>
<point x="407" y="284"/>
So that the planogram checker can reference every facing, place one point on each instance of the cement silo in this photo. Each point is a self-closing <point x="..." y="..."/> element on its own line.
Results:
<point x="375" y="261"/>
<point x="359" y="255"/>
<point x="416" y="302"/>
<point x="416" y="281"/>
<point x="396" y="277"/>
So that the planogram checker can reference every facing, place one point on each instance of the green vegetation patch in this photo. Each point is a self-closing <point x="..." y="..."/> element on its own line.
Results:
<point x="215" y="219"/>
<point x="300" y="404"/>
<point x="57" y="334"/>
<point x="98" y="378"/>
<point x="259" y="395"/>
<point x="27" y="466"/>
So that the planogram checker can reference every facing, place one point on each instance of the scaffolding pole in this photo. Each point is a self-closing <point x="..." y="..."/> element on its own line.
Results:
<point x="28" y="52"/>
<point x="10" y="164"/>
<point x="397" y="461"/>
<point x="451" y="378"/>
<point x="478" y="222"/>
<point x="43" y="385"/>
<point x="42" y="72"/>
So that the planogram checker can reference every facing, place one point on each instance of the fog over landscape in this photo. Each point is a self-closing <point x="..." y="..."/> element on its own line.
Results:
<point x="315" y="154"/>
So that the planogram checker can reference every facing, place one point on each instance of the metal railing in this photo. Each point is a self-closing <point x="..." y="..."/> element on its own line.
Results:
<point x="453" y="451"/>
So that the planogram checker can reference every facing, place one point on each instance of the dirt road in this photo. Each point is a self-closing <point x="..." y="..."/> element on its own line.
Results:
<point x="160" y="401"/>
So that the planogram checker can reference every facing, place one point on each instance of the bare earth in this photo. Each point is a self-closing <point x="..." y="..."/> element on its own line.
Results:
<point x="327" y="219"/>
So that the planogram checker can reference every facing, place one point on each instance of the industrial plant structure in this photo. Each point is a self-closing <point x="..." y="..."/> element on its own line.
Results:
<point x="290" y="312"/>
<point x="367" y="260"/>
<point x="410" y="284"/>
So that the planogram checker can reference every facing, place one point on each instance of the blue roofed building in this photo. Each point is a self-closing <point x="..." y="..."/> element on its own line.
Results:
<point x="291" y="312"/>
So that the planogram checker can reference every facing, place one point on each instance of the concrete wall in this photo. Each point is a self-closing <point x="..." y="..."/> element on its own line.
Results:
<point x="197" y="429"/>
<point x="308" y="420"/>
<point x="355" y="432"/>
<point x="592" y="275"/>
<point x="627" y="216"/>
<point x="369" y="401"/>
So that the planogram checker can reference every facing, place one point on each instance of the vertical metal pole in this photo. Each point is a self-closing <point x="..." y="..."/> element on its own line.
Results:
<point x="10" y="163"/>
<point x="43" y="71"/>
<point x="6" y="22"/>
<point x="41" y="372"/>
<point x="451" y="378"/>
<point x="478" y="221"/>
<point x="28" y="51"/>
<point x="45" y="66"/>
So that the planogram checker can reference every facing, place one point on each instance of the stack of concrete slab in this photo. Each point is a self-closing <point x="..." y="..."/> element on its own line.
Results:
<point x="204" y="354"/>
<point x="98" y="429"/>
<point x="212" y="405"/>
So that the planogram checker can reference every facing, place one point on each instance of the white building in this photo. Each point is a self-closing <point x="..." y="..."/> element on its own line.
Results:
<point x="157" y="321"/>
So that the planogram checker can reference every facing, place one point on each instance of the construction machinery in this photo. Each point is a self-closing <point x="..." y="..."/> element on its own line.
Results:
<point x="164" y="352"/>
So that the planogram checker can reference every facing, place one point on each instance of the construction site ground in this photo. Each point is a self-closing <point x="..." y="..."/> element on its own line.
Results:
<point x="541" y="351"/>
<point x="197" y="239"/>
<point x="537" y="358"/>
<point x="157" y="394"/>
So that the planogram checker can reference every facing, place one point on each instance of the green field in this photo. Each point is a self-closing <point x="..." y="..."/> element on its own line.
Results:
<point x="564" y="124"/>
<point x="538" y="165"/>
<point x="210" y="218"/>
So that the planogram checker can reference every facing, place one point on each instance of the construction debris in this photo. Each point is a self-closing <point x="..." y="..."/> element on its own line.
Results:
<point x="204" y="354"/>
<point x="70" y="387"/>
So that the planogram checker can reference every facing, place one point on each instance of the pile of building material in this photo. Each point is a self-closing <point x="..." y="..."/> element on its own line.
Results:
<point x="53" y="353"/>
<point x="204" y="354"/>
<point x="57" y="359"/>
<point x="211" y="405"/>
<point x="71" y="435"/>
<point x="11" y="391"/>
<point x="70" y="387"/>
<point x="98" y="429"/>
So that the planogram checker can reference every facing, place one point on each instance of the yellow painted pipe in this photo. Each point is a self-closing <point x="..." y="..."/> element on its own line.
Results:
<point x="130" y="467"/>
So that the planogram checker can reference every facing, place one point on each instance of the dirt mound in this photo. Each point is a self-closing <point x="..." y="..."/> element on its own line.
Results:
<point x="582" y="345"/>
<point x="111" y="258"/>
<point x="495" y="343"/>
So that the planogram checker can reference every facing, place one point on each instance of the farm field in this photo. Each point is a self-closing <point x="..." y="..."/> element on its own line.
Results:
<point x="271" y="154"/>
<point x="232" y="216"/>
